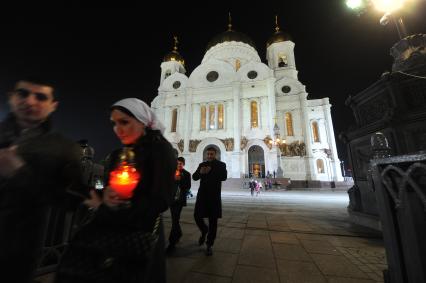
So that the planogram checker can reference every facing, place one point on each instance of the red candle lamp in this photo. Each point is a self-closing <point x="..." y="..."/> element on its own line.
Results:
<point x="177" y="174"/>
<point x="125" y="178"/>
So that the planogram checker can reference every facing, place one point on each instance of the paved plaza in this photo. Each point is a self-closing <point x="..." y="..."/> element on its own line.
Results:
<point x="279" y="236"/>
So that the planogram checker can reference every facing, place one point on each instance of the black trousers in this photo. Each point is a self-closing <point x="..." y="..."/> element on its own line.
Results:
<point x="176" y="231"/>
<point x="211" y="230"/>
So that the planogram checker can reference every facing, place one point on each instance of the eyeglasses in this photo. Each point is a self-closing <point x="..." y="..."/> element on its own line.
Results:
<point x="24" y="93"/>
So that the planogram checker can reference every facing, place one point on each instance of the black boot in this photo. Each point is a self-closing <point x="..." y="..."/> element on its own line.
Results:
<point x="209" y="251"/>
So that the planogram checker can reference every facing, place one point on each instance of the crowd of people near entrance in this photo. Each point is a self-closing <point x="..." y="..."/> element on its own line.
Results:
<point x="122" y="239"/>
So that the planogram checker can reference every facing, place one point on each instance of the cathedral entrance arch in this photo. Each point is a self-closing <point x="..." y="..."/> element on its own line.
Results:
<point x="217" y="151"/>
<point x="256" y="161"/>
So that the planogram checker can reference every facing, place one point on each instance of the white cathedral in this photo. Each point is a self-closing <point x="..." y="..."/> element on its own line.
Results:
<point x="257" y="116"/>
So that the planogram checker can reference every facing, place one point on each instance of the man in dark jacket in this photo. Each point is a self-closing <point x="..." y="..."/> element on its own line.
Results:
<point x="209" y="203"/>
<point x="183" y="184"/>
<point x="38" y="168"/>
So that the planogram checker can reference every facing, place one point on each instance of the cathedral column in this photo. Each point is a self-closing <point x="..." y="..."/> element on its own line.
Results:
<point x="237" y="115"/>
<point x="167" y="116"/>
<point x="332" y="141"/>
<point x="229" y="119"/>
<point x="264" y="110"/>
<point x="246" y="111"/>
<point x="188" y="120"/>
<point x="270" y="84"/>
<point x="310" y="167"/>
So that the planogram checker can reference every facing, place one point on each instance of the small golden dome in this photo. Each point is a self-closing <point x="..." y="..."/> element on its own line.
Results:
<point x="174" y="54"/>
<point x="278" y="36"/>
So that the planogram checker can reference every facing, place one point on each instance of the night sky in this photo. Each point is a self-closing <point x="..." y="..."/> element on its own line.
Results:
<point x="101" y="53"/>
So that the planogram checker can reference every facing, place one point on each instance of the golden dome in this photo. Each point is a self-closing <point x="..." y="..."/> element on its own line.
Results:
<point x="278" y="36"/>
<point x="230" y="35"/>
<point x="174" y="54"/>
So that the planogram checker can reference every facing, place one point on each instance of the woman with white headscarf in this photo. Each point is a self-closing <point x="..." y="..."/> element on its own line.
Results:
<point x="124" y="240"/>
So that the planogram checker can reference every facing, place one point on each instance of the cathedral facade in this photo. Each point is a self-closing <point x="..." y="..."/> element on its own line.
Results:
<point x="256" y="115"/>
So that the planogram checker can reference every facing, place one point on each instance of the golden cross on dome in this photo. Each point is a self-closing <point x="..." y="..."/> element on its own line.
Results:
<point x="229" y="21"/>
<point x="277" y="28"/>
<point x="176" y="42"/>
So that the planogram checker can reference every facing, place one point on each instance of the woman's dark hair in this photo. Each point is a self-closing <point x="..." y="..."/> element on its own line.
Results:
<point x="122" y="109"/>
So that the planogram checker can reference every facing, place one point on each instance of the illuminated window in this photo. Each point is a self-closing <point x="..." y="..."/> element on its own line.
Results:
<point x="282" y="60"/>
<point x="203" y="118"/>
<point x="211" y="117"/>
<point x="174" y="120"/>
<point x="320" y="166"/>
<point x="289" y="124"/>
<point x="254" y="121"/>
<point x="220" y="116"/>
<point x="237" y="64"/>
<point x="315" y="132"/>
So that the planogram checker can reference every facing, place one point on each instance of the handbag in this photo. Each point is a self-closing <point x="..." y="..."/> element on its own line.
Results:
<point x="108" y="255"/>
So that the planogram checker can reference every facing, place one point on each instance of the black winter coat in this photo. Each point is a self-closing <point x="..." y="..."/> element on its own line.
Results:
<point x="182" y="187"/>
<point x="50" y="174"/>
<point x="122" y="259"/>
<point x="209" y="202"/>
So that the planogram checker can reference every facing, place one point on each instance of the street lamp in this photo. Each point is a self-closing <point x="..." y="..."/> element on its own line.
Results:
<point x="278" y="141"/>
<point x="389" y="7"/>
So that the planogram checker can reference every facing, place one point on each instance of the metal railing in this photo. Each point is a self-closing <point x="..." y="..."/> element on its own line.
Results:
<point x="400" y="189"/>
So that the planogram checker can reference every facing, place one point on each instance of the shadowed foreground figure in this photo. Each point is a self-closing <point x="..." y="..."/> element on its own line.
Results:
<point x="209" y="203"/>
<point x="38" y="168"/>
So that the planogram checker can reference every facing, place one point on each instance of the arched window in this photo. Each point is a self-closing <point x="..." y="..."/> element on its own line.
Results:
<point x="253" y="108"/>
<point x="220" y="119"/>
<point x="289" y="124"/>
<point x="174" y="120"/>
<point x="320" y="166"/>
<point x="315" y="132"/>
<point x="211" y="117"/>
<point x="237" y="64"/>
<point x="203" y="118"/>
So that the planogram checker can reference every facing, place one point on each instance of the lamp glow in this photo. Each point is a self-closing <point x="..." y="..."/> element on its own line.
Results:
<point x="354" y="4"/>
<point x="388" y="6"/>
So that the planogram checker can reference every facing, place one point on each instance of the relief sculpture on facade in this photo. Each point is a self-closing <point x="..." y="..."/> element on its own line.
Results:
<point x="268" y="141"/>
<point x="180" y="145"/>
<point x="295" y="148"/>
<point x="229" y="144"/>
<point x="243" y="143"/>
<point x="193" y="145"/>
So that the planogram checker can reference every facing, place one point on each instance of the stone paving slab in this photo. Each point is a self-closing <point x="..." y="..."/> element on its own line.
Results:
<point x="286" y="236"/>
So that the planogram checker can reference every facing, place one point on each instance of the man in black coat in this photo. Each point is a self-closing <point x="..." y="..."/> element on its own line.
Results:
<point x="183" y="184"/>
<point x="38" y="168"/>
<point x="209" y="203"/>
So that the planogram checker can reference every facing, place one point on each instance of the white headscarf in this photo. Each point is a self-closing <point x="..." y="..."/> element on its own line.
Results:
<point x="142" y="112"/>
